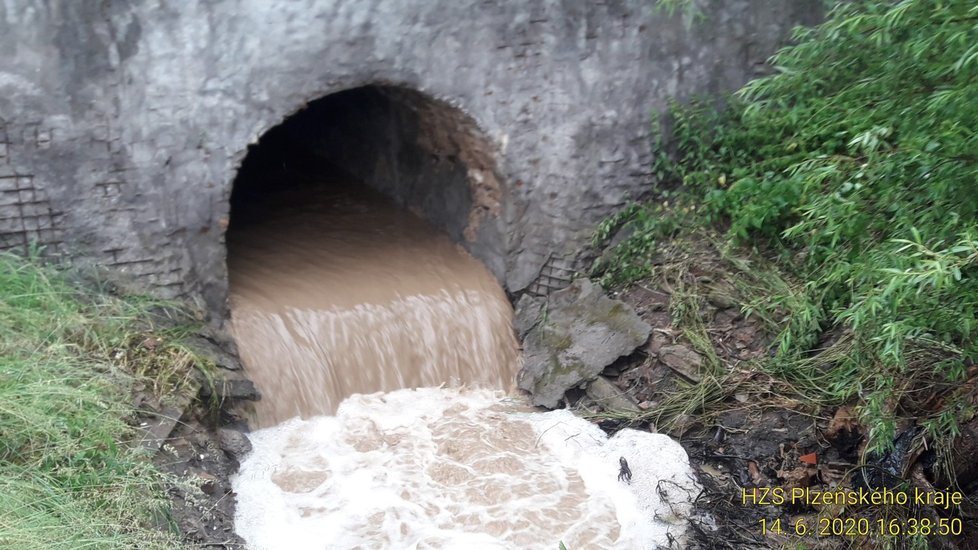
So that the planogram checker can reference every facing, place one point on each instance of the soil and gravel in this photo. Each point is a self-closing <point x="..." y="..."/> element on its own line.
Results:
<point x="200" y="440"/>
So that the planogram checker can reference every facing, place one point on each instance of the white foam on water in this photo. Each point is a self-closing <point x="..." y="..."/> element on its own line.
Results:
<point x="449" y="468"/>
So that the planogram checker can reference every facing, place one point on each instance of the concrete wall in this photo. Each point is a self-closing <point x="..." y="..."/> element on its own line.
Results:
<point x="122" y="123"/>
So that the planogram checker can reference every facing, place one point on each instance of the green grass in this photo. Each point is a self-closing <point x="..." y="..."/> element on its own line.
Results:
<point x="68" y="362"/>
<point x="852" y="169"/>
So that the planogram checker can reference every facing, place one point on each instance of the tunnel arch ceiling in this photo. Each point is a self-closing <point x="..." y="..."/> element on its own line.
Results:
<point x="123" y="124"/>
<point x="426" y="155"/>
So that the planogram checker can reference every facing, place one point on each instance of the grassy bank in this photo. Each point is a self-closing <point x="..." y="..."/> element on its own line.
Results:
<point x="852" y="169"/>
<point x="69" y="363"/>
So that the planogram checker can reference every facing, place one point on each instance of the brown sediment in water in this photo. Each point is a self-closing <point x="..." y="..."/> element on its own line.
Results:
<point x="336" y="291"/>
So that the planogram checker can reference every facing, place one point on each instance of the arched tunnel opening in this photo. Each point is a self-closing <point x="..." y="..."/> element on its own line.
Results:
<point x="423" y="154"/>
<point x="347" y="270"/>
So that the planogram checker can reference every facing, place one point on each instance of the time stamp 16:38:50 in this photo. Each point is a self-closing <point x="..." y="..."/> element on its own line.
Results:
<point x="863" y="527"/>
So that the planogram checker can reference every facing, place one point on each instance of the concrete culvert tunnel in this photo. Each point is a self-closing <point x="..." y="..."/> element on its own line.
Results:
<point x="423" y="154"/>
<point x="346" y="254"/>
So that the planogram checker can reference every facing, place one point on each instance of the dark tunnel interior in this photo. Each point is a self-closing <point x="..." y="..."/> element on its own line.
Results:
<point x="377" y="136"/>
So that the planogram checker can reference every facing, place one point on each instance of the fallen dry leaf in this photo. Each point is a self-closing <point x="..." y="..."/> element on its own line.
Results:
<point x="755" y="474"/>
<point x="844" y="420"/>
<point x="798" y="478"/>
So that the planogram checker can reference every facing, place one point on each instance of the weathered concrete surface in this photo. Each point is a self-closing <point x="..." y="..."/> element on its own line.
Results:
<point x="122" y="124"/>
<point x="579" y="333"/>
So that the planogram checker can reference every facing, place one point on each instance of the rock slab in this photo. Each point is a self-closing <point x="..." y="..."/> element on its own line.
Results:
<point x="682" y="360"/>
<point x="609" y="397"/>
<point x="579" y="332"/>
<point x="234" y="443"/>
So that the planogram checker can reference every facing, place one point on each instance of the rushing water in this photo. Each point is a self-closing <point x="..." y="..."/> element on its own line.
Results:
<point x="383" y="352"/>
<point x="341" y="292"/>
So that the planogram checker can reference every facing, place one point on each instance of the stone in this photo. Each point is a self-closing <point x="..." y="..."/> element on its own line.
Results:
<point x="580" y="332"/>
<point x="214" y="349"/>
<point x="207" y="482"/>
<point x="234" y="443"/>
<point x="609" y="397"/>
<point x="656" y="343"/>
<point x="156" y="429"/>
<point x="230" y="388"/>
<point x="682" y="360"/>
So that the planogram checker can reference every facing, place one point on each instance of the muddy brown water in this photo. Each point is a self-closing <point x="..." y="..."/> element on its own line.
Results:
<point x="336" y="291"/>
<point x="343" y="304"/>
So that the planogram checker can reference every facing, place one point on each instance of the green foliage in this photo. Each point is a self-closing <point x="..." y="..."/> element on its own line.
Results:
<point x="856" y="165"/>
<point x="632" y="235"/>
<point x="67" y="478"/>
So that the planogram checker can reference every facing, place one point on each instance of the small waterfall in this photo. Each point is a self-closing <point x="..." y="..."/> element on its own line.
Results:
<point x="384" y="352"/>
<point x="344" y="293"/>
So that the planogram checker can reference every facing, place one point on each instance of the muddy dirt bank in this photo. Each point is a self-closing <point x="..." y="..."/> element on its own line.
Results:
<point x="198" y="439"/>
<point x="755" y="442"/>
